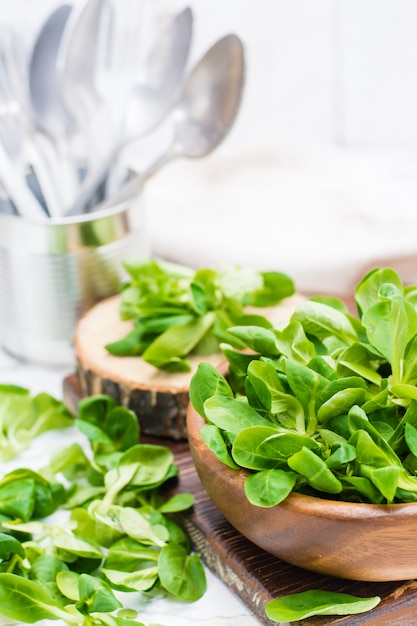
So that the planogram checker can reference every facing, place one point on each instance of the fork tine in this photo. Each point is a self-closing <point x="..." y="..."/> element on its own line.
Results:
<point x="126" y="38"/>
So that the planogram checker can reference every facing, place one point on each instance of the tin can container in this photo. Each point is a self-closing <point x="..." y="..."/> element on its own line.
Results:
<point x="53" y="270"/>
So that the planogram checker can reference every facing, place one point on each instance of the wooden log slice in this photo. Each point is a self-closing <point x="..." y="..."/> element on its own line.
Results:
<point x="158" y="398"/>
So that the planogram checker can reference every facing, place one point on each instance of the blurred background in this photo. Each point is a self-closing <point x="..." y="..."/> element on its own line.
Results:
<point x="318" y="177"/>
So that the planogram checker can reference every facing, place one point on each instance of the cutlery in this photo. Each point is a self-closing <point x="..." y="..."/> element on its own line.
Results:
<point x="48" y="106"/>
<point x="19" y="150"/>
<point x="18" y="192"/>
<point x="118" y="58"/>
<point x="149" y="101"/>
<point x="76" y="72"/>
<point x="204" y="114"/>
<point x="49" y="110"/>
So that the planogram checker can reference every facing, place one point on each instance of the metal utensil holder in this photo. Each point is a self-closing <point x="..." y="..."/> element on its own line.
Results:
<point x="52" y="271"/>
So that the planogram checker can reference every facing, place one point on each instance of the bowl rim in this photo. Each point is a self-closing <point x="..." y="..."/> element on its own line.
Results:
<point x="303" y="503"/>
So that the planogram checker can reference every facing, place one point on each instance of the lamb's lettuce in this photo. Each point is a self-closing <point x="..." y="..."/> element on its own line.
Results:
<point x="330" y="397"/>
<point x="118" y="533"/>
<point x="24" y="416"/>
<point x="178" y="312"/>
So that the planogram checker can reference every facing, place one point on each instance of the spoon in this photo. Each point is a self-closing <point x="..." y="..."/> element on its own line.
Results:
<point x="204" y="114"/>
<point x="49" y="110"/>
<point x="76" y="68"/>
<point x="150" y="100"/>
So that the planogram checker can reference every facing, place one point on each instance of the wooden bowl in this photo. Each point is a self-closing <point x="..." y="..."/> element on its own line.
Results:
<point x="365" y="542"/>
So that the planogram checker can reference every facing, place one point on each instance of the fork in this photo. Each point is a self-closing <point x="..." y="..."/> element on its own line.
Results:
<point x="20" y="140"/>
<point x="118" y="56"/>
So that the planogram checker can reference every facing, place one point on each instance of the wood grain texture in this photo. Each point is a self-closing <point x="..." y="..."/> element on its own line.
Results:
<point x="309" y="531"/>
<point x="256" y="576"/>
<point x="158" y="398"/>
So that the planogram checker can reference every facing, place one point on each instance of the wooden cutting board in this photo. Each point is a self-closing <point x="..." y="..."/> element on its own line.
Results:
<point x="257" y="577"/>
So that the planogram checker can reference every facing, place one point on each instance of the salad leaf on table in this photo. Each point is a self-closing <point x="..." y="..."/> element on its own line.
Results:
<point x="118" y="533"/>
<point x="177" y="312"/>
<point x="298" y="606"/>
<point x="23" y="417"/>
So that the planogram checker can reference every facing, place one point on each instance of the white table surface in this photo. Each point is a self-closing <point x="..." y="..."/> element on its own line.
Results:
<point x="218" y="607"/>
<point x="322" y="215"/>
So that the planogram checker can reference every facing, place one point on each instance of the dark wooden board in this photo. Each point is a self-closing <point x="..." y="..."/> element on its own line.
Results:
<point x="257" y="577"/>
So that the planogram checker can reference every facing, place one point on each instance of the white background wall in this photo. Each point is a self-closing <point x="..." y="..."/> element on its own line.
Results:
<point x="341" y="71"/>
<point x="324" y="149"/>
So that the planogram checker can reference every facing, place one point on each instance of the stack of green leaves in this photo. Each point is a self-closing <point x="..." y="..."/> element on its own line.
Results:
<point x="95" y="521"/>
<point x="178" y="312"/>
<point x="325" y="406"/>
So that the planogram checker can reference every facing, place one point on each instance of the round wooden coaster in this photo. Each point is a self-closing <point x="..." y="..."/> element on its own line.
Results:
<point x="158" y="398"/>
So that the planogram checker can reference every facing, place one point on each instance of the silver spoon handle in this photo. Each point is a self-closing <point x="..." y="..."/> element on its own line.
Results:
<point x="133" y="185"/>
<point x="91" y="183"/>
<point x="25" y="202"/>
